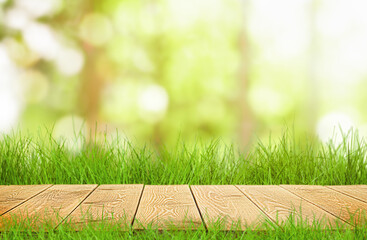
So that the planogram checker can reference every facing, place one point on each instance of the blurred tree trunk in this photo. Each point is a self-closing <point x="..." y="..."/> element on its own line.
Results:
<point x="160" y="64"/>
<point x="90" y="91"/>
<point x="160" y="58"/>
<point x="313" y="94"/>
<point x="92" y="82"/>
<point x="246" y="117"/>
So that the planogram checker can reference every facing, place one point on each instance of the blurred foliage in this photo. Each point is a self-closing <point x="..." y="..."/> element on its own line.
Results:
<point x="129" y="46"/>
<point x="159" y="69"/>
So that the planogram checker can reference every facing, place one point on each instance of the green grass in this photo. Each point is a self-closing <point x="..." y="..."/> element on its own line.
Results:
<point x="288" y="160"/>
<point x="288" y="233"/>
<point x="42" y="160"/>
<point x="286" y="230"/>
<point x="110" y="230"/>
<point x="291" y="233"/>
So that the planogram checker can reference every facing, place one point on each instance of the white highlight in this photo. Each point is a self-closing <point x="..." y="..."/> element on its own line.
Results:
<point x="332" y="126"/>
<point x="70" y="61"/>
<point x="41" y="39"/>
<point x="153" y="99"/>
<point x="70" y="130"/>
<point x="9" y="111"/>
<point x="96" y="29"/>
<point x="16" y="18"/>
<point x="266" y="101"/>
<point x="39" y="8"/>
<point x="187" y="12"/>
<point x="10" y="105"/>
<point x="280" y="28"/>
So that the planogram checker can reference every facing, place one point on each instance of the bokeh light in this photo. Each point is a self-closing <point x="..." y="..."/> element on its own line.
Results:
<point x="153" y="102"/>
<point x="96" y="29"/>
<point x="69" y="61"/>
<point x="159" y="70"/>
<point x="266" y="101"/>
<point x="41" y="39"/>
<point x="20" y="53"/>
<point x="39" y="8"/>
<point x="10" y="103"/>
<point x="119" y="101"/>
<point x="35" y="86"/>
<point x="71" y="130"/>
<point x="16" y="18"/>
<point x="333" y="126"/>
<point x="10" y="111"/>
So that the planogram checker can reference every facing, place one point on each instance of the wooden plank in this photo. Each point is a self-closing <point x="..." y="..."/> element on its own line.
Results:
<point x="165" y="207"/>
<point x="357" y="191"/>
<point x="108" y="204"/>
<point x="347" y="208"/>
<point x="226" y="207"/>
<point x="283" y="206"/>
<point x="14" y="195"/>
<point x="49" y="208"/>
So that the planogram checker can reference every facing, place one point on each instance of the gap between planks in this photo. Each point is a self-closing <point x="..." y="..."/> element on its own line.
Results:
<point x="140" y="206"/>
<point x="340" y="205"/>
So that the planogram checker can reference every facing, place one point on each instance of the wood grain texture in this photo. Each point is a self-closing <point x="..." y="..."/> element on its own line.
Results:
<point x="228" y="206"/>
<point x="115" y="204"/>
<point x="347" y="208"/>
<point x="281" y="205"/>
<point x="14" y="195"/>
<point x="357" y="191"/>
<point x="167" y="207"/>
<point x="49" y="208"/>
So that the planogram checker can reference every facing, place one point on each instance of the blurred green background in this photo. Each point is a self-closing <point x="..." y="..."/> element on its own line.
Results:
<point x="158" y="70"/>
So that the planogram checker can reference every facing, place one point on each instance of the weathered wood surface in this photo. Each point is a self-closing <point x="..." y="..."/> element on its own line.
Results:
<point x="282" y="206"/>
<point x="107" y="204"/>
<point x="167" y="206"/>
<point x="14" y="195"/>
<point x="179" y="206"/>
<point x="340" y="205"/>
<point x="50" y="207"/>
<point x="356" y="191"/>
<point x="225" y="207"/>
